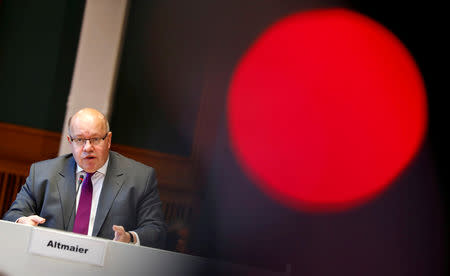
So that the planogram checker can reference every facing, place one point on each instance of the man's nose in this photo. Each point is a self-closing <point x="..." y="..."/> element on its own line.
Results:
<point x="87" y="146"/>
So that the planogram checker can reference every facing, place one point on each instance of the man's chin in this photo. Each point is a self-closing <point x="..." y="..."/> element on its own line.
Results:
<point x="89" y="165"/>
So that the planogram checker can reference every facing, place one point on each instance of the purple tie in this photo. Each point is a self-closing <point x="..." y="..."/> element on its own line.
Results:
<point x="81" y="224"/>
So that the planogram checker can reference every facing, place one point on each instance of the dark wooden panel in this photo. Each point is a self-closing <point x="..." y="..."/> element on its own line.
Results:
<point x="19" y="144"/>
<point x="10" y="184"/>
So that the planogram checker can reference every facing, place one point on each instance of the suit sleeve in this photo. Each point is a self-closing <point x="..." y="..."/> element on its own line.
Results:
<point x="25" y="203"/>
<point x="150" y="221"/>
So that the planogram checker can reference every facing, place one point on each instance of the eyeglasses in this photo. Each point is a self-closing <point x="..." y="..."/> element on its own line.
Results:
<point x="93" y="141"/>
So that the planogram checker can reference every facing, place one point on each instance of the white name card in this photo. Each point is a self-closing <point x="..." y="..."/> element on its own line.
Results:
<point x="67" y="246"/>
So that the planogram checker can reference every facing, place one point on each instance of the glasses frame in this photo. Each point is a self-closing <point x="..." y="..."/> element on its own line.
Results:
<point x="88" y="139"/>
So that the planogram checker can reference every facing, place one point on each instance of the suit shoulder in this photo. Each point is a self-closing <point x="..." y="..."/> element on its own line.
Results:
<point x="128" y="162"/>
<point x="55" y="162"/>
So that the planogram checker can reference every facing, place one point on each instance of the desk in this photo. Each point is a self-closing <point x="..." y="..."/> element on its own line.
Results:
<point x="120" y="258"/>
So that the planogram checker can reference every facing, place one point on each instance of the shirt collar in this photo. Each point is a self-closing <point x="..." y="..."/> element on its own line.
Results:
<point x="101" y="170"/>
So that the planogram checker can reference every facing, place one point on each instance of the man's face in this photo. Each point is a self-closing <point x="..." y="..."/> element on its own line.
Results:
<point x="89" y="157"/>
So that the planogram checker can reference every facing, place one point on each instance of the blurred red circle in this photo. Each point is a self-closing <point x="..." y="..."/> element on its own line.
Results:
<point x="325" y="109"/>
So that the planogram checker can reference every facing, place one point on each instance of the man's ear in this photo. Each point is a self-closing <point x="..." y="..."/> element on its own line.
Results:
<point x="109" y="139"/>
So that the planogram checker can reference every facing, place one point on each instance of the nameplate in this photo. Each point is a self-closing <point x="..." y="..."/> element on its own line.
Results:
<point x="67" y="246"/>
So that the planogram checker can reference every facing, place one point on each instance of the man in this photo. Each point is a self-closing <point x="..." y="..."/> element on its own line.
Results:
<point x="92" y="191"/>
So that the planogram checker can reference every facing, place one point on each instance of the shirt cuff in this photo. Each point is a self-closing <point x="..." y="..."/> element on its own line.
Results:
<point x="137" y="238"/>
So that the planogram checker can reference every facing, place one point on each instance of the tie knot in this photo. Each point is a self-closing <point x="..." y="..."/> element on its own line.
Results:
<point x="89" y="175"/>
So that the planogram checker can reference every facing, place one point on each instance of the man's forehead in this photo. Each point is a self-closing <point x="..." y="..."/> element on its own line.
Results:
<point x="87" y="115"/>
<point x="87" y="124"/>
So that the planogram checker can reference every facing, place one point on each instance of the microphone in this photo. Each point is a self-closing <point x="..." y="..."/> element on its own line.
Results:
<point x="80" y="181"/>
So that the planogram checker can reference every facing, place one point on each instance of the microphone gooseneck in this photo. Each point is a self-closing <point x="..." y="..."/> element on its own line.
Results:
<point x="80" y="181"/>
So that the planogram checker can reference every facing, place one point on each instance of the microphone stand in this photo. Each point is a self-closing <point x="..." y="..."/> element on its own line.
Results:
<point x="80" y="181"/>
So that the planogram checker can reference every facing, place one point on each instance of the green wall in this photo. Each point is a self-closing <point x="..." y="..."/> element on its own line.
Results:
<point x="38" y="43"/>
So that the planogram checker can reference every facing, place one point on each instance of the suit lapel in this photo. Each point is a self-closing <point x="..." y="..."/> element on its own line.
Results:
<point x="111" y="186"/>
<point x="66" y="188"/>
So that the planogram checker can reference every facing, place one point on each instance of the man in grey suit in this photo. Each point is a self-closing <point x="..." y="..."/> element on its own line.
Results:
<point x="121" y="200"/>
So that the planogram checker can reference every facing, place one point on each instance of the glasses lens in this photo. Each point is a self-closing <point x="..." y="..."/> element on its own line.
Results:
<point x="79" y="141"/>
<point x="94" y="141"/>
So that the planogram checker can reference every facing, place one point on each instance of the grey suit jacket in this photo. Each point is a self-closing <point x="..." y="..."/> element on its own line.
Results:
<point x="129" y="197"/>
